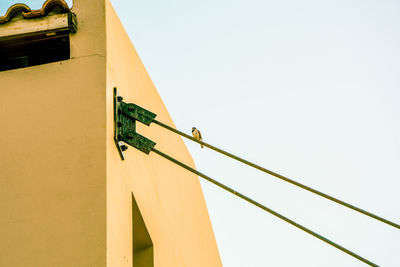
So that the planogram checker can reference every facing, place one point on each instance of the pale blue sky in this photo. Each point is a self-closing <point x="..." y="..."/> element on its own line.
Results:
<point x="310" y="89"/>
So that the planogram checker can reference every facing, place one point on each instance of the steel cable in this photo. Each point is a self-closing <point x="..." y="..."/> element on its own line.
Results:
<point x="280" y="176"/>
<point x="265" y="208"/>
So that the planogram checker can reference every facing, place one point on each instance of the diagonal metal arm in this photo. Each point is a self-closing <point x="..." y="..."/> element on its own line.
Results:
<point x="261" y="206"/>
<point x="279" y="176"/>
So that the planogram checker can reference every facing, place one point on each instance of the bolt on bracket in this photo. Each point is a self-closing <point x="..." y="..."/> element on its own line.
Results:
<point x="125" y="117"/>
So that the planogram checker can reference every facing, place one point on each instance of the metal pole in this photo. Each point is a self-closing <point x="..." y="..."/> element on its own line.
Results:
<point x="277" y="175"/>
<point x="265" y="208"/>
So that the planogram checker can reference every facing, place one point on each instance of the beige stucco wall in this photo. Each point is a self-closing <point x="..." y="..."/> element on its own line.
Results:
<point x="52" y="154"/>
<point x="65" y="194"/>
<point x="52" y="165"/>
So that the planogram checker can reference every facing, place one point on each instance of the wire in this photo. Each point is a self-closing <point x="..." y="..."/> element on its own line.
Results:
<point x="265" y="208"/>
<point x="277" y="175"/>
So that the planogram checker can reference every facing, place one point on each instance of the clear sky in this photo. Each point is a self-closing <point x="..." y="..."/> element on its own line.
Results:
<point x="309" y="89"/>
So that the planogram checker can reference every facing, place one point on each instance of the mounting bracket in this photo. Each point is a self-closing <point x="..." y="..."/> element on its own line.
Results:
<point x="125" y="117"/>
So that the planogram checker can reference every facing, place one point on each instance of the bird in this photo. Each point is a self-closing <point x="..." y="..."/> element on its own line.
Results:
<point x="197" y="135"/>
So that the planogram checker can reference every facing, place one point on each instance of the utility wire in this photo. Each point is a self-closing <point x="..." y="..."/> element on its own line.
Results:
<point x="277" y="175"/>
<point x="265" y="208"/>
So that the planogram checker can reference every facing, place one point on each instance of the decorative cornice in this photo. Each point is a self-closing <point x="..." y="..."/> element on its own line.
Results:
<point x="27" y="13"/>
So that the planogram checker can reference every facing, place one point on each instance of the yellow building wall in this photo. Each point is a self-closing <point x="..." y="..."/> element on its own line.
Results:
<point x="65" y="194"/>
<point x="53" y="154"/>
<point x="52" y="165"/>
<point x="169" y="197"/>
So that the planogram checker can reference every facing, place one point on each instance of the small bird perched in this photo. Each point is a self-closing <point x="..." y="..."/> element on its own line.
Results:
<point x="196" y="134"/>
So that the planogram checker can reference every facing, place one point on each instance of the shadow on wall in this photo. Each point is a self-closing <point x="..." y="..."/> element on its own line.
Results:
<point x="33" y="4"/>
<point x="142" y="244"/>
